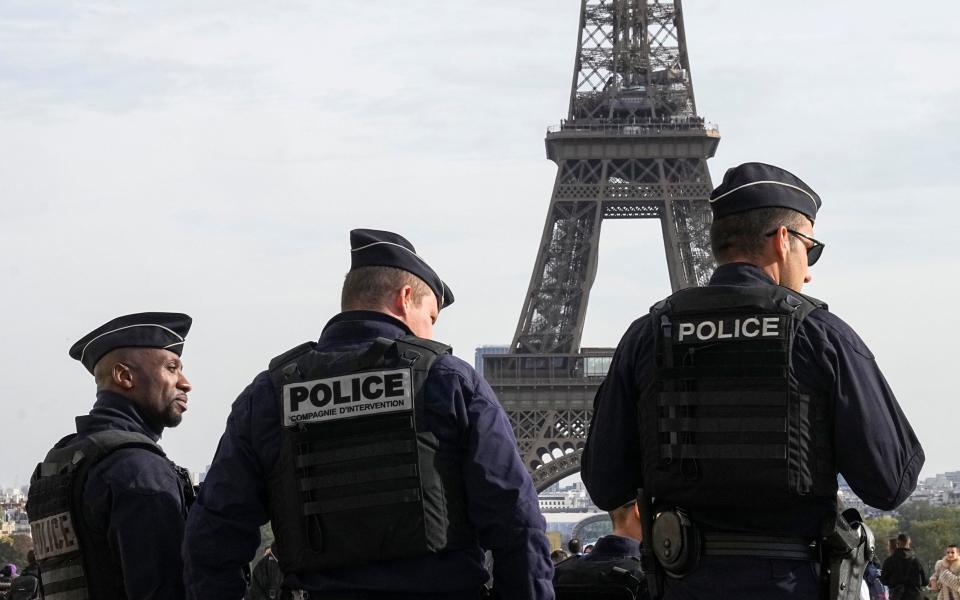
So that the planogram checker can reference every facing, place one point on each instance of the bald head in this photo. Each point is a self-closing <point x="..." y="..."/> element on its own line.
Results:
<point x="109" y="372"/>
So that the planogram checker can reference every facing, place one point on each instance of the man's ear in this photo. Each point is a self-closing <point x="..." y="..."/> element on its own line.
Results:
<point x="122" y="376"/>
<point x="781" y="242"/>
<point x="403" y="299"/>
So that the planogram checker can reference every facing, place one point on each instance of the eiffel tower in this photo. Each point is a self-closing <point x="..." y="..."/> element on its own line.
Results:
<point x="632" y="147"/>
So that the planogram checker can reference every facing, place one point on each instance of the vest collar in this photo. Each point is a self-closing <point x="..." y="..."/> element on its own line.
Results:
<point x="113" y="411"/>
<point x="359" y="325"/>
<point x="740" y="274"/>
<point x="615" y="545"/>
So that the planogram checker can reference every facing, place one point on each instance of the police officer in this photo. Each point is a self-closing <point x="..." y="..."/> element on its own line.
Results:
<point x="734" y="406"/>
<point x="612" y="568"/>
<point x="383" y="463"/>
<point x="106" y="507"/>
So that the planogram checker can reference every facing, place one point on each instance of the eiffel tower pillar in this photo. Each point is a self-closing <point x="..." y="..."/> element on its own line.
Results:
<point x="632" y="147"/>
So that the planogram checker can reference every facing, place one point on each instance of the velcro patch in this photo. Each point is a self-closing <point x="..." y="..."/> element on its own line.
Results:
<point x="347" y="396"/>
<point x="730" y="328"/>
<point x="54" y="536"/>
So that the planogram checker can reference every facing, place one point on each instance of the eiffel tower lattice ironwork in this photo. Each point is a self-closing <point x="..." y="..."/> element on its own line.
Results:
<point x="632" y="147"/>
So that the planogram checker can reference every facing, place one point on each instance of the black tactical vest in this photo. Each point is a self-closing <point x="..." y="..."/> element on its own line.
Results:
<point x="725" y="422"/>
<point x="69" y="568"/>
<point x="359" y="478"/>
<point x="613" y="578"/>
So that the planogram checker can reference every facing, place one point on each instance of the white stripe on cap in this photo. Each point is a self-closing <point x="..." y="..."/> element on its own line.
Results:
<point x="443" y="286"/>
<point x="390" y="244"/>
<point x="799" y="189"/>
<point x="180" y="337"/>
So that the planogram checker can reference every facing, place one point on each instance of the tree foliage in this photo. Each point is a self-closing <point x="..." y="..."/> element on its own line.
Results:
<point x="931" y="528"/>
<point x="14" y="548"/>
<point x="883" y="528"/>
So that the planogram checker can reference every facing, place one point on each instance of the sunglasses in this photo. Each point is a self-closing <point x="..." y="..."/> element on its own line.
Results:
<point x="813" y="252"/>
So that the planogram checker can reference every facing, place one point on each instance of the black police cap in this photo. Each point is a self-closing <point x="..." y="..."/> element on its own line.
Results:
<point x="374" y="248"/>
<point x="140" y="330"/>
<point x="756" y="185"/>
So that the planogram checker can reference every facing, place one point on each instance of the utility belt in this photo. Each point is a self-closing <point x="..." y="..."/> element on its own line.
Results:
<point x="678" y="544"/>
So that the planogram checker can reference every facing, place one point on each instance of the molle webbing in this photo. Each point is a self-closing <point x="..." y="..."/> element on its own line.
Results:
<point x="360" y="479"/>
<point x="359" y="465"/>
<point x="725" y="416"/>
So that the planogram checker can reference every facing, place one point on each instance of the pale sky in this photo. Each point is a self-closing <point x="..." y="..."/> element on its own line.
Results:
<point x="211" y="156"/>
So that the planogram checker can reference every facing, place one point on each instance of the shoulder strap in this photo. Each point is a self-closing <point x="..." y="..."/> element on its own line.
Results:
<point x="772" y="297"/>
<point x="91" y="449"/>
<point x="407" y="349"/>
<point x="431" y="346"/>
<point x="290" y="355"/>
<point x="112" y="439"/>
<point x="285" y="365"/>
<point x="799" y="304"/>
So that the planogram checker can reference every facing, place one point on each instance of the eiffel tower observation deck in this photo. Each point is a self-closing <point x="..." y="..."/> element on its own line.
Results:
<point x="632" y="147"/>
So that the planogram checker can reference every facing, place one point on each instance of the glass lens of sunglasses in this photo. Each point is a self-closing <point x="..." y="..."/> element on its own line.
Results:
<point x="814" y="254"/>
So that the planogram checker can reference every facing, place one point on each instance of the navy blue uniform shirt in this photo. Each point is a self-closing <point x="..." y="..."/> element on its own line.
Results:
<point x="134" y="506"/>
<point x="596" y="569"/>
<point x="613" y="546"/>
<point x="223" y="528"/>
<point x="875" y="448"/>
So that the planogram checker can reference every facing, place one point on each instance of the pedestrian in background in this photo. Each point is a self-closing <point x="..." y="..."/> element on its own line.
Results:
<point x="902" y="573"/>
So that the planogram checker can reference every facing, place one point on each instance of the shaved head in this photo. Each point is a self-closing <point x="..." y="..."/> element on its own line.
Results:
<point x="129" y="357"/>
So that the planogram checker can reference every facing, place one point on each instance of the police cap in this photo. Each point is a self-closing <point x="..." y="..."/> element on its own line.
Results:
<point x="373" y="248"/>
<point x="140" y="330"/>
<point x="756" y="185"/>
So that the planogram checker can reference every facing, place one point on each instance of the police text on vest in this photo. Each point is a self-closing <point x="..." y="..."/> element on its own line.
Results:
<point x="738" y="328"/>
<point x="354" y="395"/>
<point x="54" y="536"/>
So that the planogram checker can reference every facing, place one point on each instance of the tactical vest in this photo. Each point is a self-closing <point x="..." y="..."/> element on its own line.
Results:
<point x="69" y="568"/>
<point x="725" y="422"/>
<point x="614" y="578"/>
<point x="360" y="479"/>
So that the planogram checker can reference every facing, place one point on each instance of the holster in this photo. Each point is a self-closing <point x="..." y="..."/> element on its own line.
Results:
<point x="676" y="542"/>
<point x="648" y="562"/>
<point x="848" y="545"/>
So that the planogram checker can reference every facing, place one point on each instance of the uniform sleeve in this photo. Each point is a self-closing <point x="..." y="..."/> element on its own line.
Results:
<point x="223" y="527"/>
<point x="610" y="466"/>
<point x="501" y="500"/>
<point x="876" y="449"/>
<point x="145" y="524"/>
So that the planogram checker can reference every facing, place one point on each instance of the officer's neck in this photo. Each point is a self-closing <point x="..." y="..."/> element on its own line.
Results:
<point x="770" y="268"/>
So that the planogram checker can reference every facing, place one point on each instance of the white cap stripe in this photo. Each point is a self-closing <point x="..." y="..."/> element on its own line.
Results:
<point x="180" y="337"/>
<point x="799" y="189"/>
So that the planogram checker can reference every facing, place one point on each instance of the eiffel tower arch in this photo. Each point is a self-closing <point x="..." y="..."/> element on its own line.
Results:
<point x="632" y="147"/>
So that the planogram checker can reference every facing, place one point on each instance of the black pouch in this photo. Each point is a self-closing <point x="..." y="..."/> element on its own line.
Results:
<point x="676" y="543"/>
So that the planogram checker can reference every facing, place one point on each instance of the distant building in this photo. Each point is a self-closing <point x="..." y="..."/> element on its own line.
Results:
<point x="485" y="351"/>
<point x="13" y="495"/>
<point x="572" y="498"/>
<point x="14" y="520"/>
<point x="199" y="477"/>
<point x="553" y="502"/>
